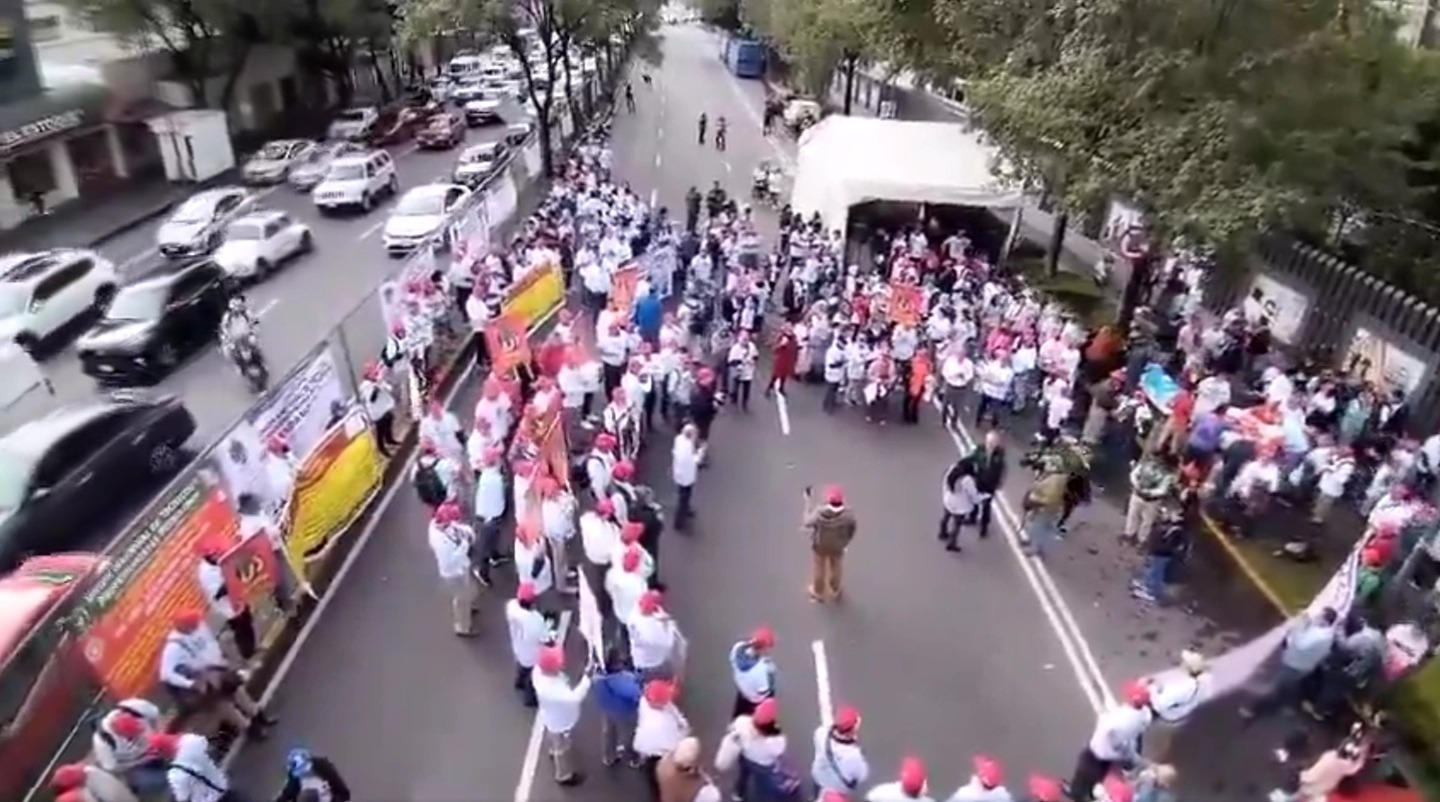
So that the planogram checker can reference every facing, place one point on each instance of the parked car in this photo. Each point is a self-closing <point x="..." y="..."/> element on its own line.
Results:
<point x="49" y="684"/>
<point x="154" y="323"/>
<point x="195" y="227"/>
<point x="43" y="294"/>
<point x="517" y="133"/>
<point x="356" y="125"/>
<point x="308" y="172"/>
<point x="444" y="130"/>
<point x="65" y="472"/>
<point x="477" y="162"/>
<point x="421" y="214"/>
<point x="357" y="182"/>
<point x="271" y="164"/>
<point x="482" y="112"/>
<point x="467" y="89"/>
<point x="258" y="244"/>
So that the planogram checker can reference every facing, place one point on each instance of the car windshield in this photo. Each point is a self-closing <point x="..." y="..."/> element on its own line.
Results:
<point x="350" y="116"/>
<point x="476" y="156"/>
<point x="274" y="151"/>
<point x="345" y="172"/>
<point x="195" y="210"/>
<point x="245" y="230"/>
<point x="13" y="299"/>
<point x="15" y="472"/>
<point x="138" y="302"/>
<point x="421" y="203"/>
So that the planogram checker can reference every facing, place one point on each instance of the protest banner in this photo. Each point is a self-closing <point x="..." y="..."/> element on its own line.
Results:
<point x="536" y="295"/>
<point x="333" y="484"/>
<point x="555" y="452"/>
<point x="591" y="623"/>
<point x="906" y="301"/>
<point x="508" y="339"/>
<point x="125" y="615"/>
<point x="624" y="286"/>
<point x="251" y="576"/>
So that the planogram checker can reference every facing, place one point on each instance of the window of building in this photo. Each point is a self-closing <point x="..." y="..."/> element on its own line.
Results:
<point x="31" y="175"/>
<point x="47" y="28"/>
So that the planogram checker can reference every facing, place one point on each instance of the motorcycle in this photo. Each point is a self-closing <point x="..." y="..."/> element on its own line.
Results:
<point x="247" y="356"/>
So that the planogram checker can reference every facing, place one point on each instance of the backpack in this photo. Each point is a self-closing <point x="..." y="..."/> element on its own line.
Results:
<point x="428" y="484"/>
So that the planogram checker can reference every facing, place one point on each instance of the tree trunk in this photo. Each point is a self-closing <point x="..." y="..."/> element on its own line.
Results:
<point x="232" y="80"/>
<point x="1130" y="300"/>
<point x="547" y="159"/>
<point x="377" y="68"/>
<point x="850" y="64"/>
<point x="1056" y="246"/>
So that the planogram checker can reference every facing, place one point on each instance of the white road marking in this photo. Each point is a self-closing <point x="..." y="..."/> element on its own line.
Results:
<point x="783" y="408"/>
<point x="657" y="159"/>
<point x="531" y="764"/>
<point x="371" y="231"/>
<point x="822" y="683"/>
<point x="654" y="195"/>
<point x="268" y="307"/>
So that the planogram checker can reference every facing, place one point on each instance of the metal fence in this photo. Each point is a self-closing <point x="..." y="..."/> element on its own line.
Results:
<point x="104" y="644"/>
<point x="1318" y="303"/>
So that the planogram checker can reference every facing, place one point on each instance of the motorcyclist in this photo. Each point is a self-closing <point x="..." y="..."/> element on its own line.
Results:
<point x="720" y="133"/>
<point x="701" y="125"/>
<point x="238" y="325"/>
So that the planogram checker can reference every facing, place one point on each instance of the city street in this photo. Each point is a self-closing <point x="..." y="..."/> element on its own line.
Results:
<point x="945" y="655"/>
<point x="298" y="305"/>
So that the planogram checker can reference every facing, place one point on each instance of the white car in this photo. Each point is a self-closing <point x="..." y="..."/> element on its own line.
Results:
<point x="422" y="214"/>
<point x="194" y="228"/>
<point x="440" y="89"/>
<point x="467" y="90"/>
<point x="357" y="182"/>
<point x="354" y="124"/>
<point x="257" y="244"/>
<point x="272" y="163"/>
<point x="477" y="162"/>
<point x="482" y="112"/>
<point x="41" y="294"/>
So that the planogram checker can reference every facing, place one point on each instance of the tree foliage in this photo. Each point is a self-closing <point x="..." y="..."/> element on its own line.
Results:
<point x="814" y="36"/>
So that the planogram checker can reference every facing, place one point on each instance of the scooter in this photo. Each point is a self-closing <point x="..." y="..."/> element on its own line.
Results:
<point x="252" y="365"/>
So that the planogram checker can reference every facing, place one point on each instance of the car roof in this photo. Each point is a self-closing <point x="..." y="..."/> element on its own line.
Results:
<point x="34" y="437"/>
<point x="213" y="196"/>
<point x="166" y="273"/>
<point x="262" y="216"/>
<point x="427" y="190"/>
<point x="483" y="147"/>
<point x="356" y="158"/>
<point x="18" y="268"/>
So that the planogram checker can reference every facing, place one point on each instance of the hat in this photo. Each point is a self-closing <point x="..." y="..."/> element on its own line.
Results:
<point x="912" y="776"/>
<point x="164" y="744"/>
<point x="650" y="602"/>
<point x="631" y="532"/>
<point x="187" y="620"/>
<point x="630" y="560"/>
<point x="1192" y="661"/>
<point x="605" y="441"/>
<point x="766" y="712"/>
<point x="605" y="507"/>
<point x="70" y="775"/>
<point x="686" y="753"/>
<point x="447" y="513"/>
<point x="762" y="638"/>
<point x="659" y="692"/>
<point x="550" y="660"/>
<point x="73" y="795"/>
<point x="847" y="720"/>
<point x="988" y="771"/>
<point x="373" y="371"/>
<point x="833" y="796"/>
<point x="834" y="495"/>
<point x="1045" y="789"/>
<point x="127" y="725"/>
<point x="624" y="470"/>
<point x="1137" y="693"/>
<point x="526" y="592"/>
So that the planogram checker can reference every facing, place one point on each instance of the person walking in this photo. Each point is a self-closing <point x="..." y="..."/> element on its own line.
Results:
<point x="685" y="471"/>
<point x="832" y="528"/>
<point x="559" y="702"/>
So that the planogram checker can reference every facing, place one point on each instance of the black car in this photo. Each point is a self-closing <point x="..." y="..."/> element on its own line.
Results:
<point x="154" y="322"/>
<point x="64" y="473"/>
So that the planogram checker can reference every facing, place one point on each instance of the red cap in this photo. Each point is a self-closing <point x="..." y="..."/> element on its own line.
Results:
<point x="834" y="495"/>
<point x="605" y="441"/>
<point x="550" y="660"/>
<point x="618" y="395"/>
<point x="373" y="371"/>
<point x="989" y="771"/>
<point x="833" y="796"/>
<point x="1137" y="693"/>
<point x="73" y="795"/>
<point x="630" y="560"/>
<point x="630" y="533"/>
<point x="428" y="447"/>
<point x="526" y="592"/>
<point x="847" y="720"/>
<point x="187" y="620"/>
<point x="1046" y="789"/>
<point x="659" y="692"/>
<point x="127" y="725"/>
<point x="605" y="506"/>
<point x="624" y="470"/>
<point x="762" y="638"/>
<point x="164" y="744"/>
<point x="70" y="775"/>
<point x="447" y="513"/>
<point x="766" y="712"/>
<point x="912" y="776"/>
<point x="1116" y="789"/>
<point x="651" y="601"/>
<point x="398" y="329"/>
<point x="277" y="444"/>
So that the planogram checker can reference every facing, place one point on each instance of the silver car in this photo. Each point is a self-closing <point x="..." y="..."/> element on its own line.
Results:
<point x="307" y="172"/>
<point x="271" y="164"/>
<point x="195" y="227"/>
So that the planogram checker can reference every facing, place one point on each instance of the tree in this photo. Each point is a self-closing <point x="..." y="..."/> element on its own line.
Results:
<point x="327" y="34"/>
<point x="818" y="37"/>
<point x="724" y="14"/>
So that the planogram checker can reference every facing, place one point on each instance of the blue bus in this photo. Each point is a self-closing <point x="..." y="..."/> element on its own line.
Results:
<point x="745" y="58"/>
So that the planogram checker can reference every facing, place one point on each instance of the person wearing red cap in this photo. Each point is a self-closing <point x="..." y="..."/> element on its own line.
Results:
<point x="490" y="507"/>
<point x="211" y="579"/>
<point x="612" y="344"/>
<point x="87" y="783"/>
<point x="913" y="785"/>
<point x="705" y="402"/>
<point x="557" y="517"/>
<point x="755" y="744"/>
<point x="1045" y="789"/>
<point x="495" y="408"/>
<point x="1115" y="742"/>
<point x="987" y="783"/>
<point x="659" y="727"/>
<point x="839" y="763"/>
<point x="377" y="396"/>
<point x="623" y="493"/>
<point x="435" y="477"/>
<point x="193" y="774"/>
<point x="441" y="427"/>
<point x="120" y="744"/>
<point x="452" y="542"/>
<point x="197" y="675"/>
<point x="600" y="464"/>
<point x="600" y="535"/>
<point x="532" y="556"/>
<point x="752" y="670"/>
<point x="278" y="464"/>
<point x="625" y="582"/>
<point x="657" y="648"/>
<point x="639" y="386"/>
<point x="530" y="632"/>
<point x="559" y="704"/>
<point x="832" y="528"/>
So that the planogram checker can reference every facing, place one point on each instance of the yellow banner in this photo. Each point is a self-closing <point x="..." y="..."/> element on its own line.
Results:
<point x="536" y="295"/>
<point x="334" y="483"/>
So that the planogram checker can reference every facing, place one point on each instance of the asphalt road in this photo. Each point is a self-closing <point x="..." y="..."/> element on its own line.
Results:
<point x="945" y="655"/>
<point x="298" y="306"/>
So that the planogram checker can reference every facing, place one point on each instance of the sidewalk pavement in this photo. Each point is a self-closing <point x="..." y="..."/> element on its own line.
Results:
<point x="90" y="224"/>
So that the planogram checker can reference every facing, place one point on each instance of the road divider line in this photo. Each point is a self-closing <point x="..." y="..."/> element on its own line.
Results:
<point x="657" y="159"/>
<point x="823" y="695"/>
<point x="654" y="196"/>
<point x="372" y="230"/>
<point x="531" y="764"/>
<point x="783" y="408"/>
<point x="268" y="307"/>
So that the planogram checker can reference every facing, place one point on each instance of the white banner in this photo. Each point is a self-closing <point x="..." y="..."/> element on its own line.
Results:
<point x="533" y="162"/>
<point x="470" y="235"/>
<point x="501" y="200"/>
<point x="592" y="623"/>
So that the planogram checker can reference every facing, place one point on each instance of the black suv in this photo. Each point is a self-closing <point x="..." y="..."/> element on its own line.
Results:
<point x="154" y="322"/>
<point x="63" y="474"/>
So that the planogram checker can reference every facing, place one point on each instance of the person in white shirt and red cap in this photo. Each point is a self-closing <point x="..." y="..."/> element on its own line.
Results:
<point x="559" y="702"/>
<point x="839" y="763"/>
<point x="755" y="744"/>
<point x="600" y="463"/>
<point x="84" y="783"/>
<point x="530" y="632"/>
<point x="625" y="583"/>
<point x="659" y="727"/>
<point x="194" y="776"/>
<point x="985" y="785"/>
<point x="913" y="785"/>
<point x="532" y="559"/>
<point x="752" y="670"/>
<point x="1115" y="742"/>
<point x="557" y="516"/>
<point x="121" y="745"/>
<point x="452" y="542"/>
<point x="654" y="638"/>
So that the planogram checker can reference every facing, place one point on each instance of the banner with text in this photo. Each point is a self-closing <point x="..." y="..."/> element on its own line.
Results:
<point x="536" y="295"/>
<point x="332" y="486"/>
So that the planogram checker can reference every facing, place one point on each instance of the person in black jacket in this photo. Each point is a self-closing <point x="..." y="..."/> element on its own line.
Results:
<point x="1167" y="543"/>
<point x="311" y="776"/>
<point x="989" y="461"/>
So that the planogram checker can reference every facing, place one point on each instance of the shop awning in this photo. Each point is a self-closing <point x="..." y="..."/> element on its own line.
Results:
<point x="50" y="113"/>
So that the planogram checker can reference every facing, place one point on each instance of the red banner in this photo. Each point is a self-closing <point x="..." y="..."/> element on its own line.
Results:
<point x="250" y="571"/>
<point x="509" y="342"/>
<point x="906" y="303"/>
<point x="624" y="286"/>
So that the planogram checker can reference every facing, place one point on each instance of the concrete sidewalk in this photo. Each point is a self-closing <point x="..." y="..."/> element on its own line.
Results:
<point x="88" y="224"/>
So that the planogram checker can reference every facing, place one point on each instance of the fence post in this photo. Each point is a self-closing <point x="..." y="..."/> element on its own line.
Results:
<point x="344" y="343"/>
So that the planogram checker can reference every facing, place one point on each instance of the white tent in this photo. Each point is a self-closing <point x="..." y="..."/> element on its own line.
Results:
<point x="845" y="161"/>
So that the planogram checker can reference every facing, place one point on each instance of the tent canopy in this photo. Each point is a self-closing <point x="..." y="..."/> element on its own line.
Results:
<point x="846" y="161"/>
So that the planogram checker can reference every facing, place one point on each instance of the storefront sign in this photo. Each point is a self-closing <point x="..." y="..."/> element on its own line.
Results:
<point x="40" y="129"/>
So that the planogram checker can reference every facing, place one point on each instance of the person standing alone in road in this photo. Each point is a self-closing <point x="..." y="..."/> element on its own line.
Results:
<point x="989" y="461"/>
<point x="832" y="528"/>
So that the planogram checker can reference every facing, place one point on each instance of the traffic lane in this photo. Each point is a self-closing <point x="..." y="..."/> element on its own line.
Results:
<point x="947" y="655"/>
<point x="384" y="688"/>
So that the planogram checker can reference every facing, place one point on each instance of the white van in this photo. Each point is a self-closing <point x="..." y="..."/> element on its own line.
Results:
<point x="462" y="67"/>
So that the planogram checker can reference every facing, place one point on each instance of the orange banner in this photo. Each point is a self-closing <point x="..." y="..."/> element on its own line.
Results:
<point x="906" y="303"/>
<point x="130" y="606"/>
<point x="624" y="286"/>
<point x="250" y="571"/>
<point x="508" y="338"/>
<point x="556" y="452"/>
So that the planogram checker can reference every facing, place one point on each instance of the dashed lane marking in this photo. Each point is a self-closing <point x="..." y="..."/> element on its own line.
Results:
<point x="823" y="693"/>
<point x="782" y="407"/>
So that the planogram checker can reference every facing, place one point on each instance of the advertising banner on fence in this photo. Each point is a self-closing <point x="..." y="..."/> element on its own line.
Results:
<point x="501" y="199"/>
<point x="332" y="485"/>
<point x="1384" y="362"/>
<point x="1283" y="305"/>
<point x="126" y="614"/>
<point x="536" y="295"/>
